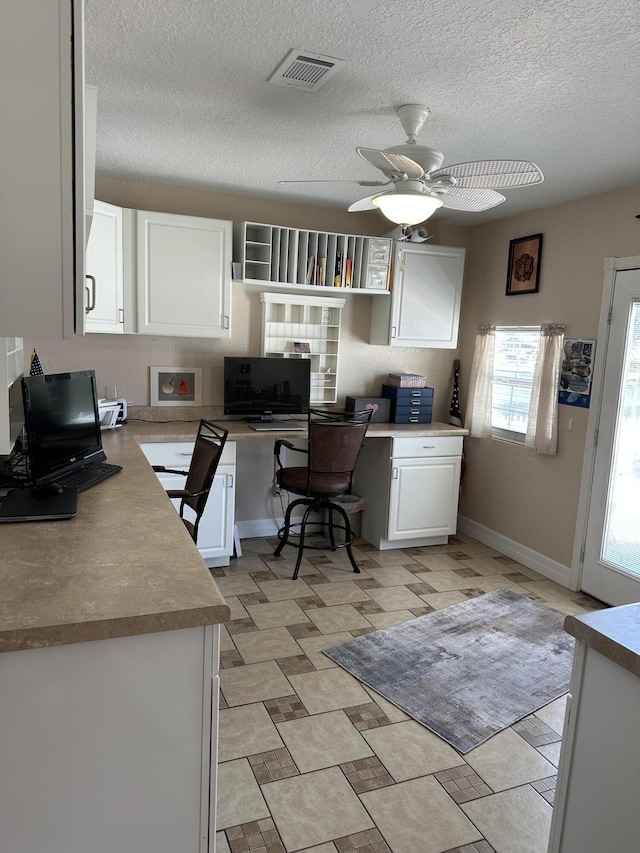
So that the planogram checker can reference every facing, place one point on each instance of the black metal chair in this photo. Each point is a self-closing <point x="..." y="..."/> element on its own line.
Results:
<point x="207" y="451"/>
<point x="335" y="441"/>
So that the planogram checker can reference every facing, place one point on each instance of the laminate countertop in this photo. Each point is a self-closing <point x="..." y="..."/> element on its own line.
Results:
<point x="125" y="565"/>
<point x="614" y="633"/>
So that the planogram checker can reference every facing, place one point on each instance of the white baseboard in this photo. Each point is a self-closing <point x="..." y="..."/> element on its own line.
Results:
<point x="259" y="527"/>
<point x="563" y="575"/>
<point x="557" y="572"/>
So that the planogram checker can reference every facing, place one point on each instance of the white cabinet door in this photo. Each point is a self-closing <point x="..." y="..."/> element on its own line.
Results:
<point x="183" y="278"/>
<point x="423" y="499"/>
<point x="215" y="531"/>
<point x="107" y="746"/>
<point x="42" y="169"/>
<point x="424" y="310"/>
<point x="104" y="291"/>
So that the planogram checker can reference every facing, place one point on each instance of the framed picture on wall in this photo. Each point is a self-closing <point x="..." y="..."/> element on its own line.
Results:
<point x="176" y="386"/>
<point x="523" y="274"/>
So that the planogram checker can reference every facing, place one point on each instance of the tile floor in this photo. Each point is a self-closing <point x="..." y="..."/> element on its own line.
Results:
<point x="310" y="760"/>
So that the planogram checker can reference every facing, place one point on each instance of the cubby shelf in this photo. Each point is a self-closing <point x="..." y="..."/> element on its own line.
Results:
<point x="290" y="323"/>
<point x="297" y="259"/>
<point x="11" y="369"/>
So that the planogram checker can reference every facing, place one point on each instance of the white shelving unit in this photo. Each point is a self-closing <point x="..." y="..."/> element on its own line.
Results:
<point x="11" y="369"/>
<point x="291" y="257"/>
<point x="288" y="320"/>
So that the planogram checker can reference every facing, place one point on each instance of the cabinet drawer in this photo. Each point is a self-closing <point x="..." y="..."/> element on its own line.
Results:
<point x="404" y="396"/>
<point x="419" y="446"/>
<point x="377" y="277"/>
<point x="177" y="454"/>
<point x="417" y="416"/>
<point x="379" y="251"/>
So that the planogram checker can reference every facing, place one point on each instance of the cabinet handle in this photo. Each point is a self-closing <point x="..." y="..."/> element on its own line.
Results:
<point x="225" y="321"/>
<point x="428" y="447"/>
<point x="393" y="331"/>
<point x="394" y="473"/>
<point x="120" y="315"/>
<point x="91" y="294"/>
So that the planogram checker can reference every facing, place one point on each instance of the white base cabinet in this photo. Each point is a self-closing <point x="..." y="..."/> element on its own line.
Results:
<point x="216" y="528"/>
<point x="424" y="310"/>
<point x="596" y="803"/>
<point x="183" y="279"/>
<point x="410" y="487"/>
<point x="111" y="745"/>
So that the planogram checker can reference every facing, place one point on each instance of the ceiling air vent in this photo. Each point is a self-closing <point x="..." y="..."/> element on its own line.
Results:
<point x="304" y="70"/>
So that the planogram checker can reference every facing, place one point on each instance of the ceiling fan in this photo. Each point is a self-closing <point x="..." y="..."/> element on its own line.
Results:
<point x="420" y="185"/>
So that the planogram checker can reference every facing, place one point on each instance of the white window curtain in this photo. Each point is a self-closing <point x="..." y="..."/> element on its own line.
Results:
<point x="542" y="422"/>
<point x="481" y="383"/>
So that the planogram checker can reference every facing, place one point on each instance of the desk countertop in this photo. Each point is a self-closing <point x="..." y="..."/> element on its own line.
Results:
<point x="125" y="565"/>
<point x="149" y="430"/>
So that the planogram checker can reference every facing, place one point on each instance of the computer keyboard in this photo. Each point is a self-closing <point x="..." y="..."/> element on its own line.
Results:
<point x="90" y="475"/>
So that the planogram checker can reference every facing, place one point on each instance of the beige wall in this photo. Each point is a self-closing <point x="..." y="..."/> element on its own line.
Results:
<point x="530" y="498"/>
<point x="122" y="361"/>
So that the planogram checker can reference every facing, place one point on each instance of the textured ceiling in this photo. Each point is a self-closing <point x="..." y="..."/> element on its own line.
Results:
<point x="183" y="97"/>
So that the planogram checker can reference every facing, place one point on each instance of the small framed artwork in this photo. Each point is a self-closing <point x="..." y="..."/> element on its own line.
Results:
<point x="301" y="346"/>
<point x="523" y="275"/>
<point x="176" y="386"/>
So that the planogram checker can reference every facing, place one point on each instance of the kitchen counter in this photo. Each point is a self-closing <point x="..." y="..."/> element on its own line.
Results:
<point x="613" y="632"/>
<point x="124" y="566"/>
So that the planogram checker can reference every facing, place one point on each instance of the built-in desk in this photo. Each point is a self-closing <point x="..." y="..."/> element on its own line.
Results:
<point x="408" y="475"/>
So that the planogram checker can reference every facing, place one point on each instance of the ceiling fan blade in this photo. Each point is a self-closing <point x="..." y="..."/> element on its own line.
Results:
<point x="338" y="181"/>
<point x="392" y="165"/>
<point x="363" y="204"/>
<point x="492" y="174"/>
<point x="460" y="198"/>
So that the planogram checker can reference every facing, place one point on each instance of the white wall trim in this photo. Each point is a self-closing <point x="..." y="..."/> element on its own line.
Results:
<point x="259" y="527"/>
<point x="564" y="575"/>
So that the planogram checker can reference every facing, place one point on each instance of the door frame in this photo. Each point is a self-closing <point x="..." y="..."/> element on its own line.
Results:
<point x="611" y="267"/>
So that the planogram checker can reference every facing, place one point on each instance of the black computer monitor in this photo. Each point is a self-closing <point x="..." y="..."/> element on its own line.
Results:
<point x="62" y="425"/>
<point x="254" y="387"/>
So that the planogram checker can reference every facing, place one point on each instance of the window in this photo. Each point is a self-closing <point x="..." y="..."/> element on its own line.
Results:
<point x="516" y="352"/>
<point x="520" y="366"/>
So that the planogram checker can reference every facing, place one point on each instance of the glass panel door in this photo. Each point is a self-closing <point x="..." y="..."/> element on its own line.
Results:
<point x="611" y="566"/>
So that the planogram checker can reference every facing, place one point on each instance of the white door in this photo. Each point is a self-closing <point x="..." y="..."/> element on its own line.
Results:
<point x="611" y="568"/>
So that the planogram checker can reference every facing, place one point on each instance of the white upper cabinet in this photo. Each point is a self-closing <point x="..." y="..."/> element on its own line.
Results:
<point x="183" y="281"/>
<point x="424" y="310"/>
<point x="42" y="168"/>
<point x="104" y="292"/>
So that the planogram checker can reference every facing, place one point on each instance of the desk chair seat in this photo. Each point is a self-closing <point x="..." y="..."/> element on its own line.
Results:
<point x="209" y="444"/>
<point x="335" y="441"/>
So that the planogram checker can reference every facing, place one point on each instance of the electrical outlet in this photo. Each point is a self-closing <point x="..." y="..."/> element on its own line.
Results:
<point x="276" y="490"/>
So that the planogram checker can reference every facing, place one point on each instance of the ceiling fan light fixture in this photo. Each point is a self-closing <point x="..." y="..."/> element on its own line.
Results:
<point x="407" y="207"/>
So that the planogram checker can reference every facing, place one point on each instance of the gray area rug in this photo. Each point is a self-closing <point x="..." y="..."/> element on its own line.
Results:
<point x="470" y="670"/>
